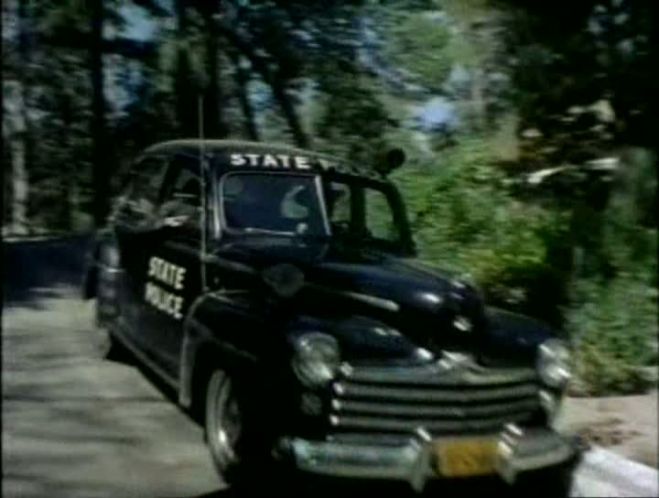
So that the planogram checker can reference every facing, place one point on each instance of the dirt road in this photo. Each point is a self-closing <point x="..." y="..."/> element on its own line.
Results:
<point x="74" y="425"/>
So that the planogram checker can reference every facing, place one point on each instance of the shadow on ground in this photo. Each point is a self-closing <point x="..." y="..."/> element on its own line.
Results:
<point x="326" y="488"/>
<point x="34" y="269"/>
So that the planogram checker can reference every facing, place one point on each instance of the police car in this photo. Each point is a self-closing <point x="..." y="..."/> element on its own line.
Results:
<point x="276" y="291"/>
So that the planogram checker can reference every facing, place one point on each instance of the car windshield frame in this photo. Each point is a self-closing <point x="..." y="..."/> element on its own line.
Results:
<point x="403" y="246"/>
<point x="318" y="188"/>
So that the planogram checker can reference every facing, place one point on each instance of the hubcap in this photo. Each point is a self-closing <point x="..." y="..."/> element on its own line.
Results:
<point x="224" y="421"/>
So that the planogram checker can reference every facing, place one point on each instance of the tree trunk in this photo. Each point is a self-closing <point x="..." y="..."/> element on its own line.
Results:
<point x="186" y="104"/>
<point x="15" y="134"/>
<point x="100" y="173"/>
<point x="214" y="124"/>
<point x="276" y="84"/>
<point x="242" y="82"/>
<point x="15" y="95"/>
<point x="478" y="98"/>
<point x="279" y="91"/>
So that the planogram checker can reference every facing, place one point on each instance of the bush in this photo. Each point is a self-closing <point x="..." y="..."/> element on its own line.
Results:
<point x="465" y="220"/>
<point x="613" y="325"/>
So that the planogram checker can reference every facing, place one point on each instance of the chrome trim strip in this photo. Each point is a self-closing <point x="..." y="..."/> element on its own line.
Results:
<point x="401" y="393"/>
<point x="372" y="300"/>
<point x="433" y="425"/>
<point x="109" y="269"/>
<point x="323" y="204"/>
<point x="441" y="373"/>
<point x="387" y="409"/>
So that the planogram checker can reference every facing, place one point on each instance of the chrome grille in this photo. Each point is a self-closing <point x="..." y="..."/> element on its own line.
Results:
<point x="440" y="398"/>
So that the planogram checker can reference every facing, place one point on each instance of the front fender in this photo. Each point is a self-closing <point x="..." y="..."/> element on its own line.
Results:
<point x="511" y="337"/>
<point x="209" y="331"/>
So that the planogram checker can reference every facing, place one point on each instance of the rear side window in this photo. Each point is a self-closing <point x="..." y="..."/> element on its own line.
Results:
<point x="141" y="198"/>
<point x="361" y="211"/>
<point x="379" y="216"/>
<point x="181" y="197"/>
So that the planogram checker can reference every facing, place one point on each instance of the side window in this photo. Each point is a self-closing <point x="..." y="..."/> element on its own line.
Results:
<point x="181" y="199"/>
<point x="379" y="216"/>
<point x="339" y="201"/>
<point x="141" y="198"/>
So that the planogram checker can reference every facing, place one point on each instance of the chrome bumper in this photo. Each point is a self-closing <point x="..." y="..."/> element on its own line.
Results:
<point x="518" y="451"/>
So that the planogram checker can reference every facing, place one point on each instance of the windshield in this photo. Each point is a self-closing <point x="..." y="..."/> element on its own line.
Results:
<point x="281" y="203"/>
<point x="352" y="209"/>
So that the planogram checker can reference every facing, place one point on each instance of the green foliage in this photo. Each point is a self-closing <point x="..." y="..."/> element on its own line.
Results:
<point x="613" y="324"/>
<point x="349" y="98"/>
<point x="613" y="311"/>
<point x="466" y="221"/>
<point x="418" y="44"/>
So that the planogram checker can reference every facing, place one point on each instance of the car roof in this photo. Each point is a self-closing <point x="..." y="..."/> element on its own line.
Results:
<point x="220" y="148"/>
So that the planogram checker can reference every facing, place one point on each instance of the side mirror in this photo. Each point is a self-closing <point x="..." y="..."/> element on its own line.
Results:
<point x="391" y="160"/>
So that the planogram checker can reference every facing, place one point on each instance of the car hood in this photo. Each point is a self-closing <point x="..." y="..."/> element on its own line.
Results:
<point x="430" y="309"/>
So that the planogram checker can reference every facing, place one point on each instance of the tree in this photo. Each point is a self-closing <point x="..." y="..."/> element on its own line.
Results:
<point x="15" y="117"/>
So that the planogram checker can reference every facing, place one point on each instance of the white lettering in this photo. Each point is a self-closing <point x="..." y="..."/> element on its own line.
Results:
<point x="153" y="262"/>
<point x="180" y="275"/>
<point x="253" y="159"/>
<point x="302" y="162"/>
<point x="170" y="273"/>
<point x="269" y="160"/>
<point x="176" y="310"/>
<point x="163" y="300"/>
<point x="149" y="292"/>
<point x="237" y="160"/>
<point x="284" y="160"/>
<point x="166" y="272"/>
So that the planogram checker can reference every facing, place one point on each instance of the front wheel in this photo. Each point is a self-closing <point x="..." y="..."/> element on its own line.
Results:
<point x="223" y="423"/>
<point x="237" y="436"/>
<point x="233" y="431"/>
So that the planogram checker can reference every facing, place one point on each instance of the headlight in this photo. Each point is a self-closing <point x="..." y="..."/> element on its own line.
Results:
<point x="554" y="363"/>
<point x="317" y="358"/>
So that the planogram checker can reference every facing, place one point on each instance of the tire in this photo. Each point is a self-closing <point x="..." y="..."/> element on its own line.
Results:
<point x="227" y="429"/>
<point x="240" y="442"/>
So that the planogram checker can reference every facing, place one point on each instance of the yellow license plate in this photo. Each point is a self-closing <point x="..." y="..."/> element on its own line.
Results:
<point x="465" y="457"/>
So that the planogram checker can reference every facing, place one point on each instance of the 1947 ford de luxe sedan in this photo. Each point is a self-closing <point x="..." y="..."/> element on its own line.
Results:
<point x="276" y="290"/>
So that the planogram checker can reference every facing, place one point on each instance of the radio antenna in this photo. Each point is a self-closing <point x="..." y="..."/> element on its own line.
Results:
<point x="204" y="194"/>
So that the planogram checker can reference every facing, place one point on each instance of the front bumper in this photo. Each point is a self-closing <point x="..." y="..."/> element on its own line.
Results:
<point x="518" y="451"/>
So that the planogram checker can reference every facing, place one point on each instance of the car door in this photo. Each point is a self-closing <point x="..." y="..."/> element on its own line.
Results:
<point x="173" y="270"/>
<point x="135" y="232"/>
